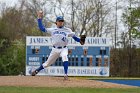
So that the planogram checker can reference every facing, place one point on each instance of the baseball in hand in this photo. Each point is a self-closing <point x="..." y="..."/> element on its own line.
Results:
<point x="40" y="14"/>
<point x="40" y="11"/>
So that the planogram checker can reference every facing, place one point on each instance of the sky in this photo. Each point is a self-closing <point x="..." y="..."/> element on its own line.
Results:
<point x="9" y="2"/>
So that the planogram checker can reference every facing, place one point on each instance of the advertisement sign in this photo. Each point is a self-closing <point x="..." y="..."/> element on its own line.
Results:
<point x="73" y="71"/>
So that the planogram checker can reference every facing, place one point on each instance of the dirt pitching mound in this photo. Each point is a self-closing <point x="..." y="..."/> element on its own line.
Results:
<point x="48" y="81"/>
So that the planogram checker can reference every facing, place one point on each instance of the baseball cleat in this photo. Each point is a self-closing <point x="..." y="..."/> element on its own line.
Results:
<point x="34" y="73"/>
<point x="65" y="77"/>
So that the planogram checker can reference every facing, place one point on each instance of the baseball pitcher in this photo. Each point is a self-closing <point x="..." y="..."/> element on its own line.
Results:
<point x="59" y="36"/>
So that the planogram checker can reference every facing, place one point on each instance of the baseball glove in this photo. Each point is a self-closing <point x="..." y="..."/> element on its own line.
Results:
<point x="82" y="39"/>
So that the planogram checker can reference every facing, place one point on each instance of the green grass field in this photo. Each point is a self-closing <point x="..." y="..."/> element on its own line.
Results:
<point x="66" y="90"/>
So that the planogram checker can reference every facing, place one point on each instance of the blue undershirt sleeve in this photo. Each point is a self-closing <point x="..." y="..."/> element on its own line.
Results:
<point x="41" y="26"/>
<point x="76" y="38"/>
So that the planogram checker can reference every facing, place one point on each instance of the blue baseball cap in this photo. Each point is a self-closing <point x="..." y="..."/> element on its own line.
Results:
<point x="58" y="18"/>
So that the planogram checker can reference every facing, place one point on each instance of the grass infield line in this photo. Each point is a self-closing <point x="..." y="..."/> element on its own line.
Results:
<point x="5" y="89"/>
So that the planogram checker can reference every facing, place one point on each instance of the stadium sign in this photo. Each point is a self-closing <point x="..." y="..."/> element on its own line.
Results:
<point x="92" y="59"/>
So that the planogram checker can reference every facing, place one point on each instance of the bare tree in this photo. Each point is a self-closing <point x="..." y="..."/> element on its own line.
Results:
<point x="90" y="17"/>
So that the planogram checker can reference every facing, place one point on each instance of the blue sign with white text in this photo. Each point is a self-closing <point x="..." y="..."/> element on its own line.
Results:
<point x="95" y="53"/>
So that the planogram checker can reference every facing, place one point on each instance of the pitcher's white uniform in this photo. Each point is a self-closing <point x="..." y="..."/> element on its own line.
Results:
<point x="59" y="42"/>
